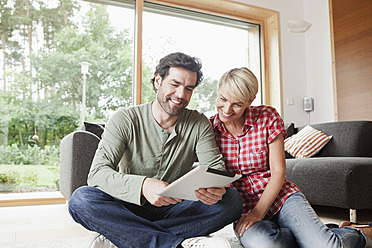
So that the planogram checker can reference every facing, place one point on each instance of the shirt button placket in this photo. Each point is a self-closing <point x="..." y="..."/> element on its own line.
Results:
<point x="237" y="151"/>
<point x="164" y="141"/>
<point x="237" y="154"/>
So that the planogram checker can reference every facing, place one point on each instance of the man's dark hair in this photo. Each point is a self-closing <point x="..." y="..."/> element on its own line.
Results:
<point x="178" y="60"/>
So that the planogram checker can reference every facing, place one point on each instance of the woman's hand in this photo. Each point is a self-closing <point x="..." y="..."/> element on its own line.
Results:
<point x="245" y="222"/>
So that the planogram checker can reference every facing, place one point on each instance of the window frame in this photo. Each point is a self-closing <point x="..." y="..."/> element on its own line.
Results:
<point x="267" y="19"/>
<point x="270" y="40"/>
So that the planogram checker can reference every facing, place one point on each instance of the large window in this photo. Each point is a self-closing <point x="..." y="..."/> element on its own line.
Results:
<point x="45" y="93"/>
<point x="220" y="43"/>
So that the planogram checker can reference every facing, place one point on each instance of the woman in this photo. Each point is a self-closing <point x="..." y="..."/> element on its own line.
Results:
<point x="275" y="212"/>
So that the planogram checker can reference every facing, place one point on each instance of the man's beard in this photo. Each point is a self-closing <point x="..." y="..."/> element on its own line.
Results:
<point x="165" y="105"/>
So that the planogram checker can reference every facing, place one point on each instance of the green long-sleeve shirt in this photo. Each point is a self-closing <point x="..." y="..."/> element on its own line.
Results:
<point x="134" y="147"/>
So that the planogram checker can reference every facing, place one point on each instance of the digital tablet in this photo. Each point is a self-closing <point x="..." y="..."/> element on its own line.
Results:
<point x="200" y="177"/>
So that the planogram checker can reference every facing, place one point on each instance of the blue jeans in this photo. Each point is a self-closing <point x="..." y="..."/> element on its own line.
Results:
<point x="131" y="226"/>
<point x="297" y="225"/>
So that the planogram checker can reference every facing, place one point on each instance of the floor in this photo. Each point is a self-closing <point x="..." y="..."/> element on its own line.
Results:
<point x="40" y="222"/>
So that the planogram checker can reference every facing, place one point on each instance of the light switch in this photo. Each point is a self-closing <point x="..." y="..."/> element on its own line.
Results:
<point x="290" y="101"/>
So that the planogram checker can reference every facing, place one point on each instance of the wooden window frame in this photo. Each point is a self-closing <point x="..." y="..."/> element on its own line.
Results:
<point x="267" y="19"/>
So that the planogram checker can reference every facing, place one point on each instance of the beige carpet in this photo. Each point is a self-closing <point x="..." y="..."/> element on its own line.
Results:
<point x="328" y="215"/>
<point x="50" y="226"/>
<point x="228" y="233"/>
<point x="78" y="242"/>
<point x="81" y="242"/>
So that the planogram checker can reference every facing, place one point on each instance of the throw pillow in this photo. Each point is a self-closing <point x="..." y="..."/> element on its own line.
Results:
<point x="306" y="143"/>
<point x="94" y="128"/>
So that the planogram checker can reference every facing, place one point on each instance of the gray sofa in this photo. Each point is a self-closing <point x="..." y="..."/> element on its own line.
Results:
<point x="77" y="150"/>
<point x="340" y="175"/>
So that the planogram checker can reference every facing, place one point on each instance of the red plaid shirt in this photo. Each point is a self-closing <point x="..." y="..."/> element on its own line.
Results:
<point x="248" y="155"/>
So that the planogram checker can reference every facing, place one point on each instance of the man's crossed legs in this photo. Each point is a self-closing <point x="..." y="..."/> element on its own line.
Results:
<point x="131" y="226"/>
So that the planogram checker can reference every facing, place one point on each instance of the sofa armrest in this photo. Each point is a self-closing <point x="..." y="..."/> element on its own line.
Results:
<point x="76" y="155"/>
<point x="333" y="181"/>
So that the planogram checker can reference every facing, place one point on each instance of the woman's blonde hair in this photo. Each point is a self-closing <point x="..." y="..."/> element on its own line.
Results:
<point x="241" y="82"/>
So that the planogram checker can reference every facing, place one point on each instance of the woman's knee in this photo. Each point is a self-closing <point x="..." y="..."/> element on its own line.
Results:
<point x="267" y="234"/>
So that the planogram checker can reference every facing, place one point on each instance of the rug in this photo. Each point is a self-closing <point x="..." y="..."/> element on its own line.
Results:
<point x="77" y="242"/>
<point x="81" y="242"/>
<point x="228" y="233"/>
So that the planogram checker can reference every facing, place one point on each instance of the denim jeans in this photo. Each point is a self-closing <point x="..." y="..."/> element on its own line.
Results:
<point x="128" y="225"/>
<point x="297" y="225"/>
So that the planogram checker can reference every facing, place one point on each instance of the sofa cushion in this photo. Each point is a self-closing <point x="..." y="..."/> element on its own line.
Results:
<point x="290" y="129"/>
<point x="306" y="143"/>
<point x="94" y="128"/>
<point x="350" y="139"/>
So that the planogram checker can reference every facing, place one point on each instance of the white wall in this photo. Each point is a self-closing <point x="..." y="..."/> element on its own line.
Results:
<point x="305" y="59"/>
<point x="319" y="60"/>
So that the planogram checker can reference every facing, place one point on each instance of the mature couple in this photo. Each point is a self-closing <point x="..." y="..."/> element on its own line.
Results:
<point x="146" y="147"/>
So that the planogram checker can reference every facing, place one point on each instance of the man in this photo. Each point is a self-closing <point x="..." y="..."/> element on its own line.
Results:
<point x="143" y="149"/>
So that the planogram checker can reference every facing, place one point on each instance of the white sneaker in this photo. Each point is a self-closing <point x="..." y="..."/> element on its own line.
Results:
<point x="100" y="241"/>
<point x="206" y="242"/>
